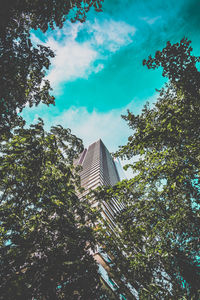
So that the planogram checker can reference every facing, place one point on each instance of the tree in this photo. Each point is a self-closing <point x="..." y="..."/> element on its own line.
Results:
<point x="23" y="65"/>
<point x="157" y="245"/>
<point x="45" y="242"/>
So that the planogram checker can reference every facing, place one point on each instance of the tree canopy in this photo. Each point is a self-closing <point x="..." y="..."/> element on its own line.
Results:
<point x="45" y="241"/>
<point x="46" y="237"/>
<point x="157" y="245"/>
<point x="22" y="64"/>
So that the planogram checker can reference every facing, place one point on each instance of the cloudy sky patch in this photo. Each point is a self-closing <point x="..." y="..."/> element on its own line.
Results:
<point x="98" y="72"/>
<point x="75" y="59"/>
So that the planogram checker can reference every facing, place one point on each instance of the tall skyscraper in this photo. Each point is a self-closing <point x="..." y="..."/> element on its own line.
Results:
<point x="98" y="166"/>
<point x="98" y="169"/>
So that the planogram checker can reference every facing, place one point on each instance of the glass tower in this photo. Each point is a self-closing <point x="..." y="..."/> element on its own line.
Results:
<point x="98" y="166"/>
<point x="98" y="169"/>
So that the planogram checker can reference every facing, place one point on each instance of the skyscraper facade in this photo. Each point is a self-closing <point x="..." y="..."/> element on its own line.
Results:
<point x="98" y="166"/>
<point x="98" y="169"/>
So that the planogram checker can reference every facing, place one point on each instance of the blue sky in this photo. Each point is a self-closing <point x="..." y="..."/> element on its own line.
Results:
<point x="97" y="73"/>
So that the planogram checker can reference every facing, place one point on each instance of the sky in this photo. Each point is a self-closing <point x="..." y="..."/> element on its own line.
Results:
<point x="97" y="73"/>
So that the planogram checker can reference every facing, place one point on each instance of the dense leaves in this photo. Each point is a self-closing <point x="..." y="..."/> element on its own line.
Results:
<point x="44" y="243"/>
<point x="157" y="245"/>
<point x="179" y="65"/>
<point x="22" y="64"/>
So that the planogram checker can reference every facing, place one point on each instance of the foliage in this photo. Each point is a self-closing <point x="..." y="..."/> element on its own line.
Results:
<point x="45" y="242"/>
<point x="159" y="228"/>
<point x="22" y="64"/>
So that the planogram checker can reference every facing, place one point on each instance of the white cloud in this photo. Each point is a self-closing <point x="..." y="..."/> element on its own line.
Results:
<point x="76" y="59"/>
<point x="72" y="61"/>
<point x="151" y="21"/>
<point x="98" y="68"/>
<point x="91" y="126"/>
<point x="112" y="35"/>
